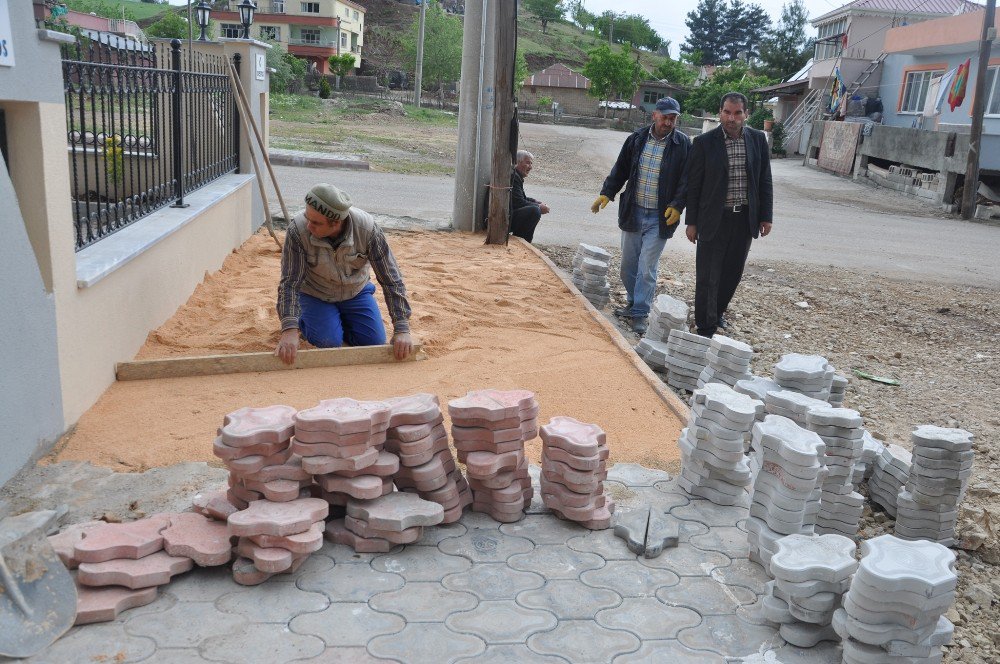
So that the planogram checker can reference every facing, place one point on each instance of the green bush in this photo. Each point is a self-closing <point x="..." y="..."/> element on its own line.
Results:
<point x="757" y="118"/>
<point x="324" y="88"/>
<point x="545" y="102"/>
<point x="778" y="138"/>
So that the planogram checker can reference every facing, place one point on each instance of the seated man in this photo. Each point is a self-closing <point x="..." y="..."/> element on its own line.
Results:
<point x="325" y="289"/>
<point x="525" y="212"/>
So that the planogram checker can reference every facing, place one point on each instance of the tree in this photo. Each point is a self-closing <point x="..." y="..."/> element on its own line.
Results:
<point x="442" y="45"/>
<point x="580" y="15"/>
<point x="545" y="10"/>
<point x="734" y="78"/>
<point x="171" y="26"/>
<point x="520" y="70"/>
<point x="612" y="74"/>
<point x="707" y="26"/>
<point x="382" y="51"/>
<point x="746" y="27"/>
<point x="676" y="72"/>
<point x="635" y="29"/>
<point x="288" y="70"/>
<point x="786" y="49"/>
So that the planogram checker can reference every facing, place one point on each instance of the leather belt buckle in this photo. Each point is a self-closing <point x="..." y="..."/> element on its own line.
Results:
<point x="736" y="209"/>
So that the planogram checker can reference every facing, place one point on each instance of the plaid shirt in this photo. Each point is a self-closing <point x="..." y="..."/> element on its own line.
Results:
<point x="736" y="150"/>
<point x="647" y="191"/>
<point x="293" y="272"/>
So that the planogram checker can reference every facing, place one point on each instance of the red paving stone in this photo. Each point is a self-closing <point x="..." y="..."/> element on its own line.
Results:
<point x="264" y="517"/>
<point x="152" y="570"/>
<point x="111" y="541"/>
<point x="94" y="605"/>
<point x="199" y="538"/>
<point x="252" y="426"/>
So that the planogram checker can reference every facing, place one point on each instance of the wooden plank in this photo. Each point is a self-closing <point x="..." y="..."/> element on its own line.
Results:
<point x="214" y="365"/>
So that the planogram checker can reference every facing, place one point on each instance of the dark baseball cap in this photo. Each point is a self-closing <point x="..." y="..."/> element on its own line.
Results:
<point x="668" y="105"/>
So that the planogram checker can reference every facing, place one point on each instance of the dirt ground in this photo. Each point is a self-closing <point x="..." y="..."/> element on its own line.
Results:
<point x="939" y="341"/>
<point x="487" y="317"/>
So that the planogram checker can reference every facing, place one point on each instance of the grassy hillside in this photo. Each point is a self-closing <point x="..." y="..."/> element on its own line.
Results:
<point x="140" y="10"/>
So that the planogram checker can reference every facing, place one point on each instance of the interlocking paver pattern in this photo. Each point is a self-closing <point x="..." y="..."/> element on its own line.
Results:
<point x="539" y="590"/>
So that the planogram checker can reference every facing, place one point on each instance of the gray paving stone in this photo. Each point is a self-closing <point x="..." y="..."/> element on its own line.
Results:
<point x="648" y="618"/>
<point x="731" y="637"/>
<point x="420" y="563"/>
<point x="492" y="581"/>
<point x="107" y="642"/>
<point x="437" y="534"/>
<point x="175" y="656"/>
<point x="630" y="526"/>
<point x="686" y="560"/>
<point x="314" y="564"/>
<point x="632" y="474"/>
<point x="164" y="601"/>
<point x="632" y="497"/>
<point x="426" y="642"/>
<point x="486" y="546"/>
<point x="705" y="595"/>
<point x="709" y="513"/>
<point x="555" y="562"/>
<point x="824" y="652"/>
<point x="584" y="641"/>
<point x="506" y="654"/>
<point x="730" y="541"/>
<point x="347" y="624"/>
<point x="263" y="643"/>
<point x="570" y="600"/>
<point x="423" y="601"/>
<point x="341" y="553"/>
<point x="184" y="625"/>
<point x="350" y="583"/>
<point x="743" y="572"/>
<point x="603" y="543"/>
<point x="203" y="584"/>
<point x="271" y="603"/>
<point x="667" y="652"/>
<point x="629" y="579"/>
<point x="479" y="520"/>
<point x="344" y="656"/>
<point x="501" y="621"/>
<point x="543" y="529"/>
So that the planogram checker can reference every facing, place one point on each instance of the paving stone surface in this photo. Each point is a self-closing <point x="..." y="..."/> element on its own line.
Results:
<point x="539" y="590"/>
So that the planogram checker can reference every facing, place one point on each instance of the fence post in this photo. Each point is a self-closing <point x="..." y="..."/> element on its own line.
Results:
<point x="237" y="58"/>
<point x="176" y="126"/>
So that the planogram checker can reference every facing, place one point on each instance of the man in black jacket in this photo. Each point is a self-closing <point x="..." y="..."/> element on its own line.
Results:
<point x="525" y="212"/>
<point x="731" y="204"/>
<point x="652" y="162"/>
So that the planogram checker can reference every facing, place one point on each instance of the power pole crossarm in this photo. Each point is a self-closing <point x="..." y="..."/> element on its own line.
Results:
<point x="971" y="188"/>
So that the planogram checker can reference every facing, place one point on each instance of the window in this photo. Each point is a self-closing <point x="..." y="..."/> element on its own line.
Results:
<point x="232" y="30"/>
<point x="915" y="90"/>
<point x="649" y="97"/>
<point x="355" y="14"/>
<point x="832" y="28"/>
<point x="309" y="35"/>
<point x="829" y="40"/>
<point x="278" y="7"/>
<point x="310" y="7"/>
<point x="343" y="40"/>
<point x="270" y="33"/>
<point x="992" y="91"/>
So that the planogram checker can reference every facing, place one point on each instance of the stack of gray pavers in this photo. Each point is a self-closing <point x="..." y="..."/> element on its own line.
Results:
<point x="686" y="359"/>
<point x="838" y="388"/>
<point x="942" y="463"/>
<point x="668" y="313"/>
<point x="892" y="469"/>
<point x="811" y="375"/>
<point x="894" y="611"/>
<point x="840" y="505"/>
<point x="712" y="462"/>
<point x="653" y="353"/>
<point x="728" y="361"/>
<point x="871" y="449"/>
<point x="811" y="574"/>
<point x="784" y="495"/>
<point x="590" y="274"/>
<point x="757" y="387"/>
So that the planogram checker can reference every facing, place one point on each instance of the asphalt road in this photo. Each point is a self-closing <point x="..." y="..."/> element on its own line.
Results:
<point x="820" y="219"/>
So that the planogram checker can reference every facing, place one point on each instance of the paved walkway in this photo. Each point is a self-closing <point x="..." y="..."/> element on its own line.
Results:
<point x="540" y="590"/>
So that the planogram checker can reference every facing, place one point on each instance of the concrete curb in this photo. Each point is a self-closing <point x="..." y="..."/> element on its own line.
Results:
<point x="317" y="162"/>
<point x="673" y="402"/>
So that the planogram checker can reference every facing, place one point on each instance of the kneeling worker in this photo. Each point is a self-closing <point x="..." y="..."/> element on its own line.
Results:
<point x="325" y="289"/>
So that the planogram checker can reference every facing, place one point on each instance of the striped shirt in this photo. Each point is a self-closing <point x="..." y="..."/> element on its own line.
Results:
<point x="736" y="150"/>
<point x="647" y="191"/>
<point x="293" y="273"/>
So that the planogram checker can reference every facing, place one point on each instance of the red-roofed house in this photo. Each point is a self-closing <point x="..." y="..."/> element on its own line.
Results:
<point x="563" y="86"/>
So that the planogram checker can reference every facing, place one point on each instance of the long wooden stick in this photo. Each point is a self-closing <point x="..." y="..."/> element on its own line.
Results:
<point x="253" y="157"/>
<point x="260" y="142"/>
<point x="214" y="365"/>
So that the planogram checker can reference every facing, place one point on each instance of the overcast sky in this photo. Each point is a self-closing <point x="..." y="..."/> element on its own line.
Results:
<point x="668" y="18"/>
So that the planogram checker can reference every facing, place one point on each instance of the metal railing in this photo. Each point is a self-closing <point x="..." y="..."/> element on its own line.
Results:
<point x="146" y="126"/>
<point x="312" y="42"/>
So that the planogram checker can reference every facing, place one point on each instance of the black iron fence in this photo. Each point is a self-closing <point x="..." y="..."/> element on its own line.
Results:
<point x="147" y="124"/>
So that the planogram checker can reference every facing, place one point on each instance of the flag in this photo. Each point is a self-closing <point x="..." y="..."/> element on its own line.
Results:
<point x="837" y="90"/>
<point x="941" y="94"/>
<point x="957" y="94"/>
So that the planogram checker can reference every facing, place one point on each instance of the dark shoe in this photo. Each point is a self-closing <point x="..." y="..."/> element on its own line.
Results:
<point x="723" y="323"/>
<point x="623" y="312"/>
<point x="640" y="325"/>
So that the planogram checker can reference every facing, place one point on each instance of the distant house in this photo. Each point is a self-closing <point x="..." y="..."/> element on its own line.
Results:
<point x="563" y="86"/>
<point x="649" y="91"/>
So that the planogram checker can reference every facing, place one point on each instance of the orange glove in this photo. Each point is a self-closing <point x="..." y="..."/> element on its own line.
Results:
<point x="672" y="215"/>
<point x="601" y="203"/>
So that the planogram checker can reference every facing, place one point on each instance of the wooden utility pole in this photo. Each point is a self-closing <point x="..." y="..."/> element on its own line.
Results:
<point x="420" y="54"/>
<point x="503" y="114"/>
<point x="971" y="188"/>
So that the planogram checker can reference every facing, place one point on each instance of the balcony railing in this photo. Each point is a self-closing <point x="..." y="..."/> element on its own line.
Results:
<point x="312" y="42"/>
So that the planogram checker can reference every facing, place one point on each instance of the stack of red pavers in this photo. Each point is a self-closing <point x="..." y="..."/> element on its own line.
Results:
<point x="489" y="428"/>
<point x="255" y="445"/>
<point x="276" y="537"/>
<point x="376" y="526"/>
<point x="340" y="442"/>
<point x="417" y="435"/>
<point x="574" y="468"/>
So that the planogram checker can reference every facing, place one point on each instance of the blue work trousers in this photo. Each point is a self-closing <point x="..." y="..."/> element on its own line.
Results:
<point x="356" y="322"/>
<point x="640" y="257"/>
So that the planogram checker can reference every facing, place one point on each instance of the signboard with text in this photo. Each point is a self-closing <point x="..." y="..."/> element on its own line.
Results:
<point x="261" y="66"/>
<point x="6" y="36"/>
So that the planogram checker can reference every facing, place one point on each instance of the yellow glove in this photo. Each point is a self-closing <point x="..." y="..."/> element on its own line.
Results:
<point x="601" y="203"/>
<point x="672" y="215"/>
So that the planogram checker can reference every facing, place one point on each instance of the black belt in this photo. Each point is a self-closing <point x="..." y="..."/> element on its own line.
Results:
<point x="737" y="208"/>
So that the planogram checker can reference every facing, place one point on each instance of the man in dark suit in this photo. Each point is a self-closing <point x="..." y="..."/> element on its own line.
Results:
<point x="730" y="203"/>
<point x="525" y="212"/>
